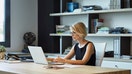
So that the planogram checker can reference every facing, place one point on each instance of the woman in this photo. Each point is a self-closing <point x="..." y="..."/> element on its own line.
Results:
<point x="83" y="50"/>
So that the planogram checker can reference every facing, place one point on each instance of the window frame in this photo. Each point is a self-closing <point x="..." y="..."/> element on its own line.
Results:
<point x="6" y="43"/>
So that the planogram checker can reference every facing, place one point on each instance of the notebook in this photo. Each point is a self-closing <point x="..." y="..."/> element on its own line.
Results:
<point x="39" y="56"/>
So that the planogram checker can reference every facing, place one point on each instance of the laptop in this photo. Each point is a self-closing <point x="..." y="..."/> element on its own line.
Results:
<point x="39" y="56"/>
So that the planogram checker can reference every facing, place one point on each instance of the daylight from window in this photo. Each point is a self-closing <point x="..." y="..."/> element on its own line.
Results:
<point x="2" y="21"/>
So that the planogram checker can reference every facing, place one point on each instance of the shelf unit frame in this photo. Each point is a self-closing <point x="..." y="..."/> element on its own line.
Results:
<point x="116" y="41"/>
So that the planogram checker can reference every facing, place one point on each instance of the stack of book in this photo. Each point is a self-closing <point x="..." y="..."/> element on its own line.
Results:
<point x="118" y="4"/>
<point x="62" y="28"/>
<point x="115" y="4"/>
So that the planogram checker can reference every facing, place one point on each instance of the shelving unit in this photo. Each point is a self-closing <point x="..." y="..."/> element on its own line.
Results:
<point x="118" y="38"/>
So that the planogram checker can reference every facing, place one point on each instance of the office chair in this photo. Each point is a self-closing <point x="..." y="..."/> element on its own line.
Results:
<point x="100" y="51"/>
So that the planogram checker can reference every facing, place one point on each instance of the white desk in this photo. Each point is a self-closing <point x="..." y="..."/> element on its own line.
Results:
<point x="32" y="68"/>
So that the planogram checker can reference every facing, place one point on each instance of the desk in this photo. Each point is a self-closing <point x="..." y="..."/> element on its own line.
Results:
<point x="32" y="68"/>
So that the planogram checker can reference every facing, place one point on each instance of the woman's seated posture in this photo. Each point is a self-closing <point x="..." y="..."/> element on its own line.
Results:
<point x="83" y="50"/>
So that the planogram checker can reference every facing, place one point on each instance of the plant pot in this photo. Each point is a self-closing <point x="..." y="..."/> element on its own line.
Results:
<point x="2" y="55"/>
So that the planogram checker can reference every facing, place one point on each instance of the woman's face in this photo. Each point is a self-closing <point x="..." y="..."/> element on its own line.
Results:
<point x="75" y="36"/>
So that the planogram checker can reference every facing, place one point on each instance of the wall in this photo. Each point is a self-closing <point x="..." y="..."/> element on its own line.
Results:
<point x="23" y="19"/>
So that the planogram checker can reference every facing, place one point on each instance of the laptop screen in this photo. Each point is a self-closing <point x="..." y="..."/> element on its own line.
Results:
<point x="38" y="54"/>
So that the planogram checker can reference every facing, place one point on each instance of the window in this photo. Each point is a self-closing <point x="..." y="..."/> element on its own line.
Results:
<point x="5" y="23"/>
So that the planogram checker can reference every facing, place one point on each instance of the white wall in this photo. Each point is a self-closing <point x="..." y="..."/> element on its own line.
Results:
<point x="23" y="19"/>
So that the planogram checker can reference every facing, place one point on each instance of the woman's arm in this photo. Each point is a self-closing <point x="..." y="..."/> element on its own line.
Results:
<point x="88" y="53"/>
<point x="70" y="55"/>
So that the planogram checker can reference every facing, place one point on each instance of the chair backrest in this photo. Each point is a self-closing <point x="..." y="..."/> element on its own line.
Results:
<point x="100" y="51"/>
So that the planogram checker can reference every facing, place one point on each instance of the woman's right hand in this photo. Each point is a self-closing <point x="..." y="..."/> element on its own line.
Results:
<point x="59" y="59"/>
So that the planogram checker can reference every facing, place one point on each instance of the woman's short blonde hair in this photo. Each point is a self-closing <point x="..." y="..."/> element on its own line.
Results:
<point x="80" y="29"/>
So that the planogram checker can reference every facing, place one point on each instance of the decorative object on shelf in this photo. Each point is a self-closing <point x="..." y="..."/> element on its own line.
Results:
<point x="71" y="6"/>
<point x="99" y="24"/>
<point x="2" y="51"/>
<point x="118" y="30"/>
<point x="29" y="38"/>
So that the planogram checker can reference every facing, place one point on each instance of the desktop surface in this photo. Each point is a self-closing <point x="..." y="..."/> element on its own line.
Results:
<point x="32" y="68"/>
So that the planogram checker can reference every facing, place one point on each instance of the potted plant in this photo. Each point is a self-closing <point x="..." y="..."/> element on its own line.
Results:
<point x="2" y="51"/>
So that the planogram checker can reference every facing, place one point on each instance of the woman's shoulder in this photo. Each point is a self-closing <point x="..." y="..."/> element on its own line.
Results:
<point x="89" y="42"/>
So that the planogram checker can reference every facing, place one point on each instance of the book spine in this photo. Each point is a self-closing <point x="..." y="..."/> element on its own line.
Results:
<point x="111" y="4"/>
<point x="118" y="4"/>
<point x="116" y="48"/>
<point x="115" y="3"/>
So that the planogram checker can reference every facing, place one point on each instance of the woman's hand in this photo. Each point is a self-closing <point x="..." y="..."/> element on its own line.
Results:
<point x="59" y="59"/>
<point x="50" y="59"/>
